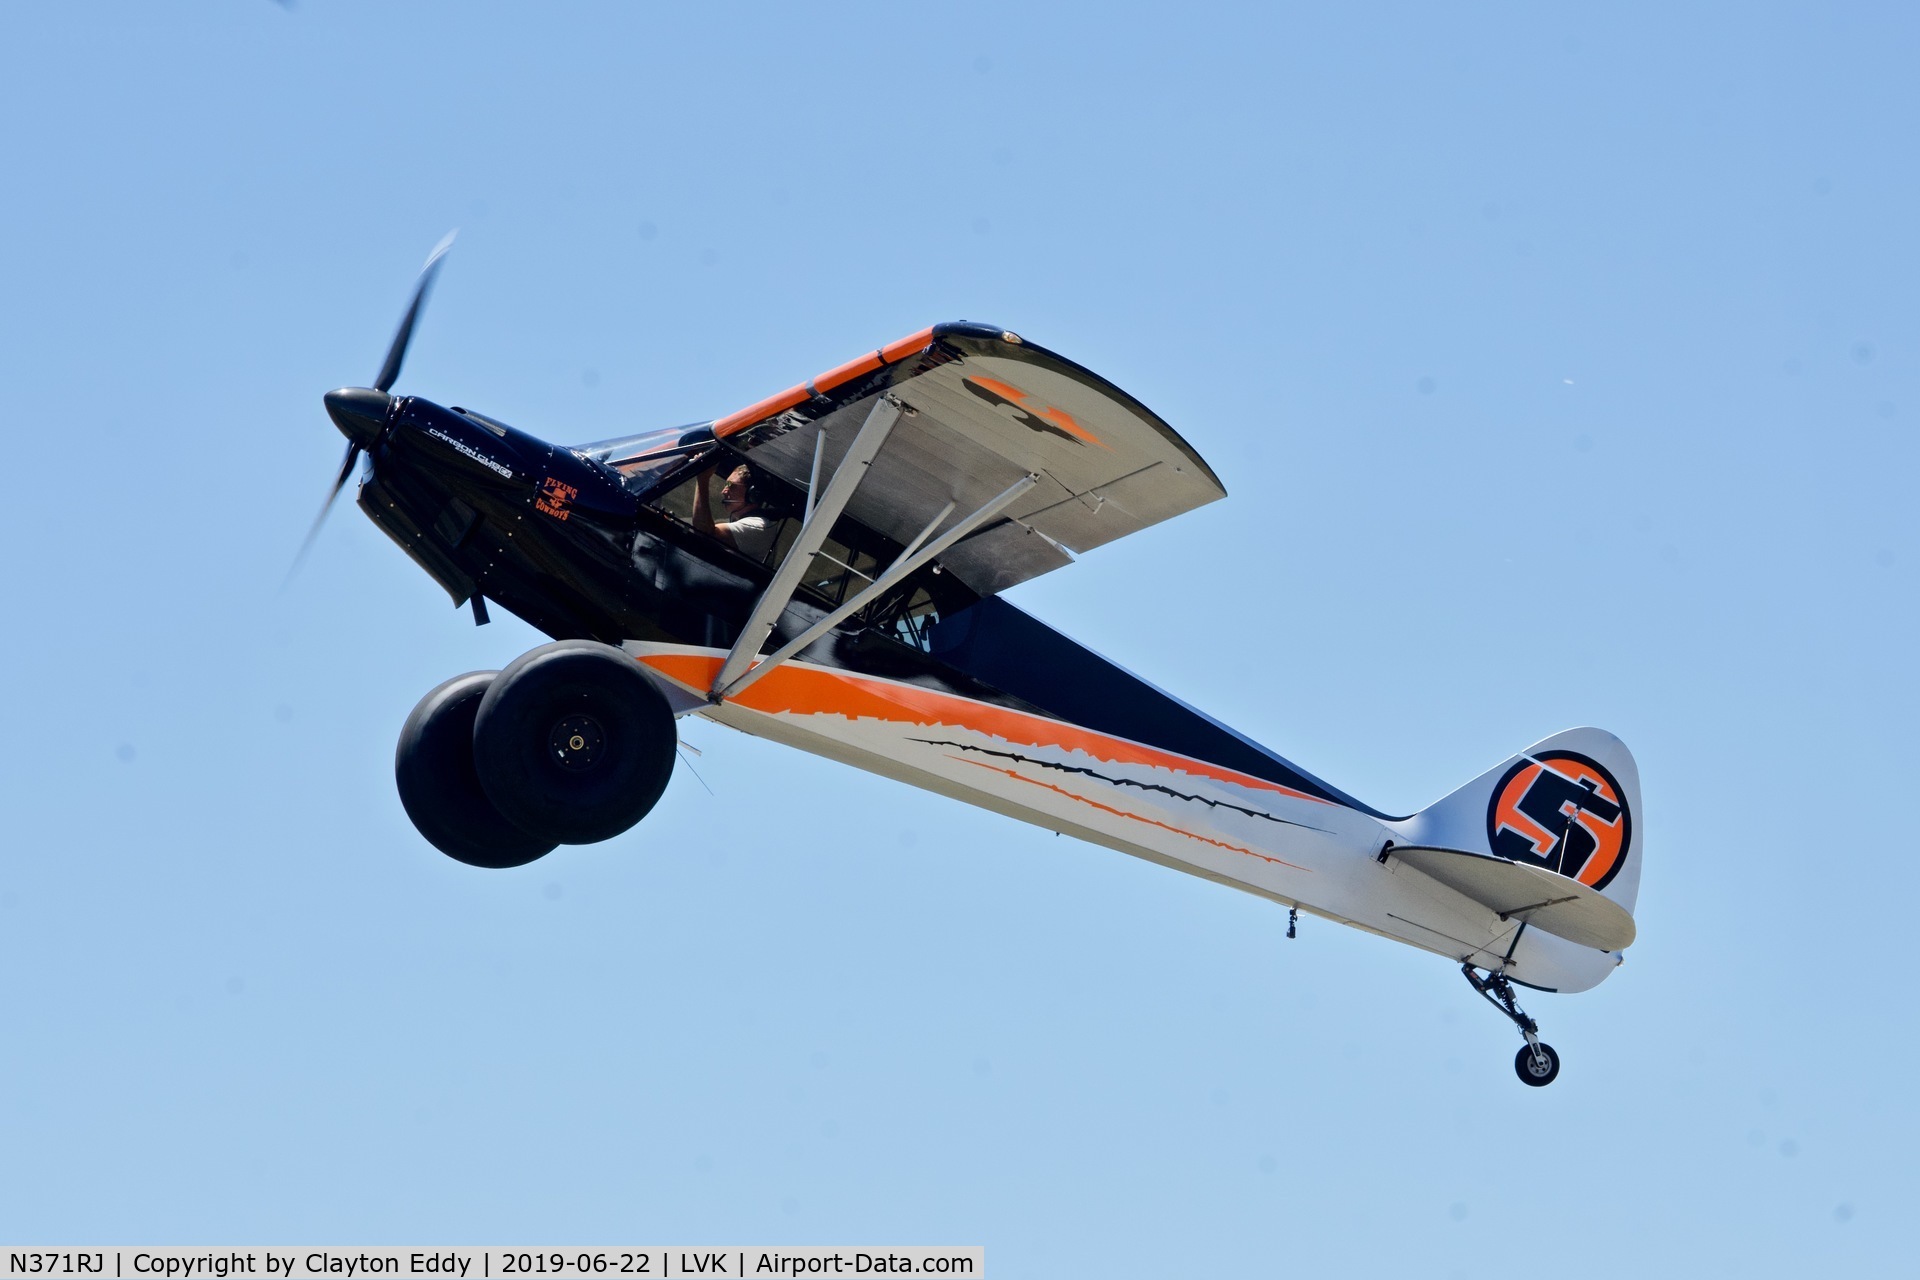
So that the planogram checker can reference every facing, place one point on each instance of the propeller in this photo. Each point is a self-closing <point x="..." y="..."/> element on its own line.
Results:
<point x="361" y="412"/>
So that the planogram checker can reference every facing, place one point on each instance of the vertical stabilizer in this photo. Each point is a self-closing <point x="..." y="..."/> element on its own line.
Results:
<point x="1569" y="805"/>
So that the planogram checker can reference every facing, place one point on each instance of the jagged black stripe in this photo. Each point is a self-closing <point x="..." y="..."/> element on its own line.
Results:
<point x="1121" y="782"/>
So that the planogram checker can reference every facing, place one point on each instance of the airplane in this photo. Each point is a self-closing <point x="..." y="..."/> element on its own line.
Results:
<point x="849" y="604"/>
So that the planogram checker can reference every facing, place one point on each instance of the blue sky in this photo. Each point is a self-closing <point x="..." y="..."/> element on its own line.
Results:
<point x="1561" y="367"/>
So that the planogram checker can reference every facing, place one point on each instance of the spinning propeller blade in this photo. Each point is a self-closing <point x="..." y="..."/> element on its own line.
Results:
<point x="390" y="371"/>
<point x="360" y="412"/>
<point x="339" y="483"/>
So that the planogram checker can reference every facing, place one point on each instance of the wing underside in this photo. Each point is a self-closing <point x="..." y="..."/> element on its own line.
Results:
<point x="983" y="408"/>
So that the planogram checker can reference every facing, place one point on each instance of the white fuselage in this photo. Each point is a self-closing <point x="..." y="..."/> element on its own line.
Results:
<point x="1298" y="849"/>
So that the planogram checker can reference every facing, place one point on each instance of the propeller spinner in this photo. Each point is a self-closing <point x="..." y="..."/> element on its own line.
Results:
<point x="361" y="412"/>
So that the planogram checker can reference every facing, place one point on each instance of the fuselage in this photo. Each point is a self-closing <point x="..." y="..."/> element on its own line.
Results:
<point x="957" y="693"/>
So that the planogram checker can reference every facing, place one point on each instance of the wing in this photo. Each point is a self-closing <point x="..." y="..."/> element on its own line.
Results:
<point x="984" y="407"/>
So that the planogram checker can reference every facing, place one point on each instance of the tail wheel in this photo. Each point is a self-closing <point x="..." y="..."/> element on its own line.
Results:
<point x="433" y="768"/>
<point x="572" y="741"/>
<point x="1536" y="1064"/>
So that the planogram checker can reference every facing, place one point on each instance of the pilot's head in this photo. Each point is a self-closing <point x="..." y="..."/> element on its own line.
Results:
<point x="739" y="494"/>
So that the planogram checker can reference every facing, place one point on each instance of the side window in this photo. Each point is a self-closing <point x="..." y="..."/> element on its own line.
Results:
<point x="838" y="571"/>
<point x="912" y="621"/>
<point x="677" y="500"/>
<point x="770" y="547"/>
<point x="910" y="614"/>
<point x="847" y="563"/>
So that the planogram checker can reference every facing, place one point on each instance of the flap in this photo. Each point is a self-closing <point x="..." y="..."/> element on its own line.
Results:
<point x="1553" y="903"/>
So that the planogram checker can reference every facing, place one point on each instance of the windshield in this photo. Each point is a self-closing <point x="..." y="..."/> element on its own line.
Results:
<point x="641" y="459"/>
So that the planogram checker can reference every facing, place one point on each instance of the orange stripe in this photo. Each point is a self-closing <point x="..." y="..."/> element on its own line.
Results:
<point x="892" y="353"/>
<point x="847" y="372"/>
<point x="759" y="412"/>
<point x="1121" y="813"/>
<point x="912" y="344"/>
<point x="797" y="690"/>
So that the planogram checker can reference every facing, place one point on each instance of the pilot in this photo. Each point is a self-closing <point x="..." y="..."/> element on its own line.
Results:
<point x="748" y="528"/>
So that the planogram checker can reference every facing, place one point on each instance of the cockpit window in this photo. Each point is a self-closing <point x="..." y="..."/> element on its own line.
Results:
<point x="644" y="460"/>
<point x="849" y="560"/>
<point x="839" y="571"/>
<point x="766" y="529"/>
<point x="908" y="617"/>
<point x="910" y="612"/>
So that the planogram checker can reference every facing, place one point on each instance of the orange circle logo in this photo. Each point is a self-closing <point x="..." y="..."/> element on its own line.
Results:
<point x="1565" y="813"/>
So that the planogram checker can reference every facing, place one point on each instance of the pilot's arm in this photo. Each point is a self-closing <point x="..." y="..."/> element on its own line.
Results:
<point x="703" y="509"/>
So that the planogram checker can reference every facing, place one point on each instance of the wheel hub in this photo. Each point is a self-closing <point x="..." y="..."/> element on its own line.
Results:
<point x="576" y="742"/>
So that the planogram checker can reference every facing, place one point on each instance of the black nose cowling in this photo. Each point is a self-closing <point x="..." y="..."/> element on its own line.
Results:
<point x="360" y="413"/>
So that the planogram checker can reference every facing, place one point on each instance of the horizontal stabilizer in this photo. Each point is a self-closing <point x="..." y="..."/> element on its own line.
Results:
<point x="1554" y="903"/>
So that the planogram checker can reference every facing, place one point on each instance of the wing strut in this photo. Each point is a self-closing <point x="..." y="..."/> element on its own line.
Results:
<point x="813" y="533"/>
<point x="813" y="484"/>
<point x="910" y="560"/>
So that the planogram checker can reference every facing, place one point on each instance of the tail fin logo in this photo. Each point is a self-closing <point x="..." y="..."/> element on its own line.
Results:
<point x="1563" y="812"/>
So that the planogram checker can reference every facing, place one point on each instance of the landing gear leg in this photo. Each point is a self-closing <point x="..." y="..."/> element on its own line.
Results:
<point x="1536" y="1064"/>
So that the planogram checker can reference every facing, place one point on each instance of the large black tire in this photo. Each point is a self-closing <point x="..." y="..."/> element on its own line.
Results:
<point x="574" y="742"/>
<point x="433" y="767"/>
<point x="1537" y="1071"/>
